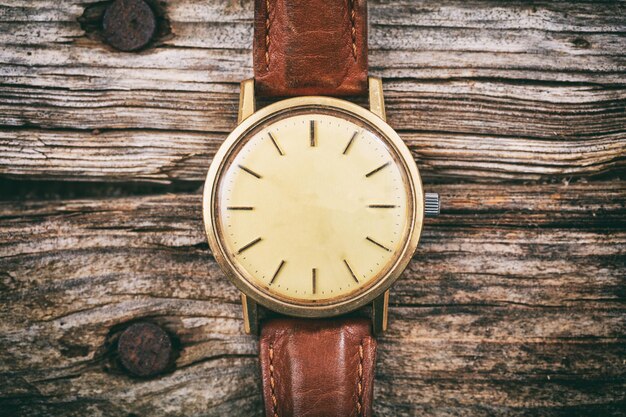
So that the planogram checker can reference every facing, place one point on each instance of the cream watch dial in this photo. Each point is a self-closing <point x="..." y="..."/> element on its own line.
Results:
<point x="312" y="206"/>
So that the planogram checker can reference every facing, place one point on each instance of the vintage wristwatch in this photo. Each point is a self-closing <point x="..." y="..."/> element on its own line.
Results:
<point x="313" y="207"/>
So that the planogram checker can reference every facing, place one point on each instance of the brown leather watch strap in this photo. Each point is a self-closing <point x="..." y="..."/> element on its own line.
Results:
<point x="312" y="47"/>
<point x="317" y="367"/>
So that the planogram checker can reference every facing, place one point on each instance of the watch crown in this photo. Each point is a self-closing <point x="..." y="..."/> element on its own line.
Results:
<point x="431" y="204"/>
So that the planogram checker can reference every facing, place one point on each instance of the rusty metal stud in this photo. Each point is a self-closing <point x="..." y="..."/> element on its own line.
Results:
<point x="129" y="25"/>
<point x="145" y="349"/>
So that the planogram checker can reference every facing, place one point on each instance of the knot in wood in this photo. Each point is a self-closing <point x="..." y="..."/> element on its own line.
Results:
<point x="129" y="25"/>
<point x="145" y="349"/>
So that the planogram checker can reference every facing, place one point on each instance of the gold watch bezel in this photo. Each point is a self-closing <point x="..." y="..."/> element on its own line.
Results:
<point x="310" y="310"/>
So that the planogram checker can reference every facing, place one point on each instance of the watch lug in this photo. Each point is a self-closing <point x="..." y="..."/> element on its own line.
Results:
<point x="380" y="306"/>
<point x="377" y="100"/>
<point x="250" y="315"/>
<point x="247" y="101"/>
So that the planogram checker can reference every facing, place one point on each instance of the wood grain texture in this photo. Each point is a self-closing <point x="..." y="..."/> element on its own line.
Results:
<point x="545" y="81"/>
<point x="514" y="304"/>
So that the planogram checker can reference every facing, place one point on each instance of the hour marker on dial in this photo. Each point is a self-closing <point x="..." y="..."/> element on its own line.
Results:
<point x="369" y="239"/>
<point x="351" y="271"/>
<point x="345" y="151"/>
<point x="280" y="151"/>
<point x="314" y="279"/>
<point x="249" y="171"/>
<point x="382" y="206"/>
<point x="313" y="133"/>
<point x="249" y="245"/>
<point x="369" y="174"/>
<point x="245" y="208"/>
<point x="282" y="263"/>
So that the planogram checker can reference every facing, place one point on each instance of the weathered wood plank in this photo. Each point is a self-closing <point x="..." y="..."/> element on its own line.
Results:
<point x="514" y="304"/>
<point x="540" y="40"/>
<point x="486" y="91"/>
<point x="168" y="156"/>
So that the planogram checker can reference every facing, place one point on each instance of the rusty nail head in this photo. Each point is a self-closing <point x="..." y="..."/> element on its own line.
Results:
<point x="129" y="25"/>
<point x="145" y="349"/>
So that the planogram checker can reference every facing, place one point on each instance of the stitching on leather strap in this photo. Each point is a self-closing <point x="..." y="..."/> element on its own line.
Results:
<point x="267" y="34"/>
<point x="359" y="383"/>
<point x="353" y="29"/>
<point x="273" y="383"/>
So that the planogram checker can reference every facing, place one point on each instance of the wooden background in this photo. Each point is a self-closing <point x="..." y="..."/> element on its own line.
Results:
<point x="514" y="304"/>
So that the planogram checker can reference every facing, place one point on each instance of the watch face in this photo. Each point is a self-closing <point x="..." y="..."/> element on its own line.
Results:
<point x="312" y="205"/>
